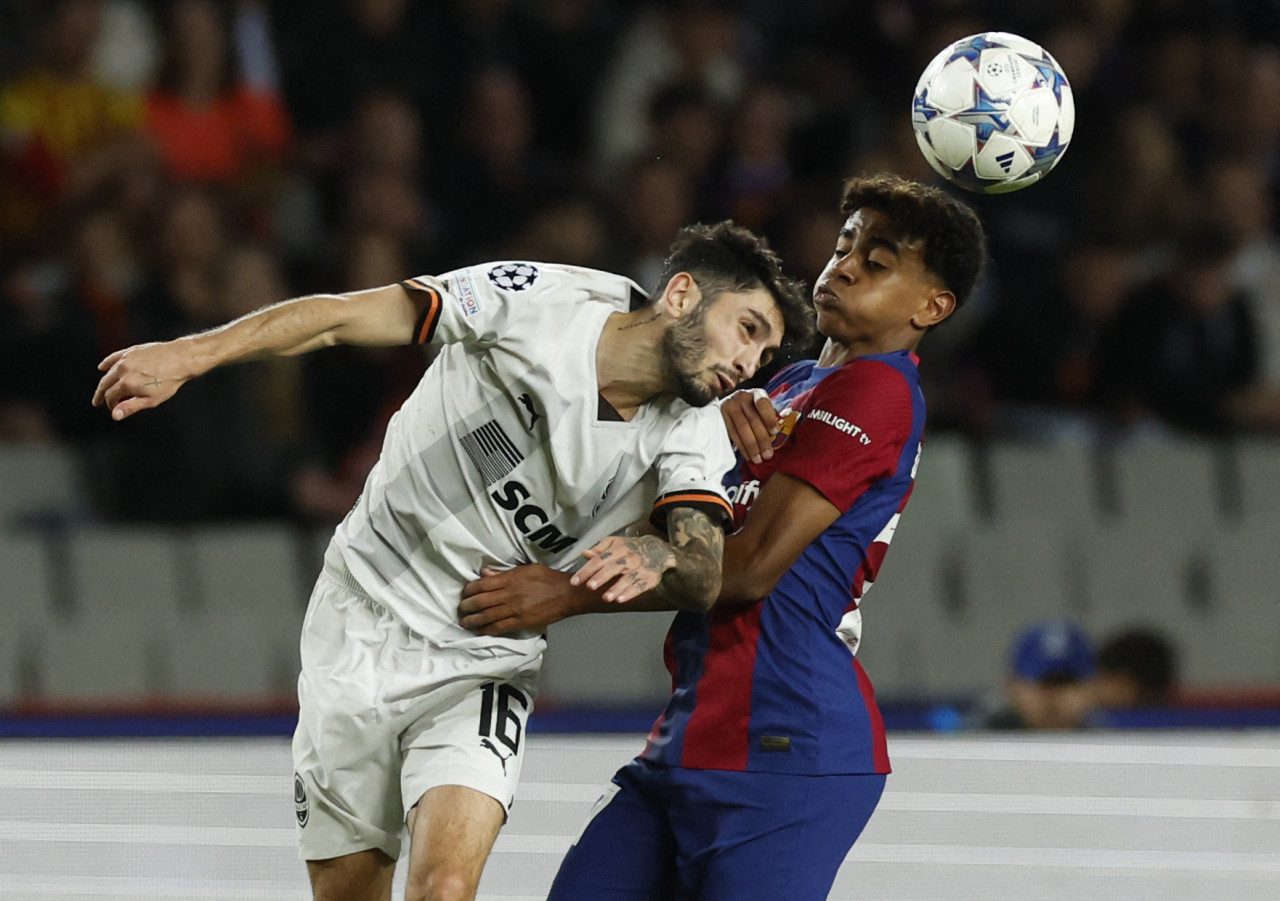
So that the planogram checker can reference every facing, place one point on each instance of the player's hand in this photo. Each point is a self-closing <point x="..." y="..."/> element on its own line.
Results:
<point x="632" y="565"/>
<point x="526" y="598"/>
<point x="752" y="423"/>
<point x="141" y="377"/>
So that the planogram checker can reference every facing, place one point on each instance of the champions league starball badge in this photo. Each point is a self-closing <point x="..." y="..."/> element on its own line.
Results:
<point x="513" y="276"/>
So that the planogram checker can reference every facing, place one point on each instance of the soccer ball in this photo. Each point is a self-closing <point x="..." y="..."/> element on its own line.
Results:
<point x="993" y="112"/>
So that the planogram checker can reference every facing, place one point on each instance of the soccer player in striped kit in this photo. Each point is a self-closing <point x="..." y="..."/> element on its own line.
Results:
<point x="563" y="406"/>
<point x="770" y="756"/>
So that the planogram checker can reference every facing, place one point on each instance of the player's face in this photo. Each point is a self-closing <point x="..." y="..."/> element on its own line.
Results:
<point x="875" y="292"/>
<point x="720" y="343"/>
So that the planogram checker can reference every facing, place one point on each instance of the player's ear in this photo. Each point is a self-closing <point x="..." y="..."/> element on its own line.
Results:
<point x="681" y="295"/>
<point x="938" y="305"/>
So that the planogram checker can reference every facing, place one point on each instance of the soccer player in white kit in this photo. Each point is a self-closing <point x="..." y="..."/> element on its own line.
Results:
<point x="563" y="407"/>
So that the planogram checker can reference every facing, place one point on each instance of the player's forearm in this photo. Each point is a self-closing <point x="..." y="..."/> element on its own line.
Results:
<point x="382" y="316"/>
<point x="697" y="546"/>
<point x="747" y="576"/>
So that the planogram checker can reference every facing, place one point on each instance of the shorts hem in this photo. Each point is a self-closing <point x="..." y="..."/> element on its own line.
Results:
<point x="391" y="849"/>
<point x="476" y="780"/>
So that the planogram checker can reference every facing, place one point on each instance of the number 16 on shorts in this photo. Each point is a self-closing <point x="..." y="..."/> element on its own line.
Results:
<point x="500" y="724"/>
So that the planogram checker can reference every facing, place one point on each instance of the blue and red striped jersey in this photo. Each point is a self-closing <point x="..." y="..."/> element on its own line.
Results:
<point x="773" y="686"/>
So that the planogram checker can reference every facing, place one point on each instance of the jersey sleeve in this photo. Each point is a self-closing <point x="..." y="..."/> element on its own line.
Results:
<point x="478" y="304"/>
<point x="852" y="434"/>
<point x="691" y="468"/>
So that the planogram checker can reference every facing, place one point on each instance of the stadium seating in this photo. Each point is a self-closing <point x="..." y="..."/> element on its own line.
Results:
<point x="1173" y="533"/>
<point x="128" y="591"/>
<point x="41" y="484"/>
<point x="1171" y="485"/>
<point x="1055" y="483"/>
<point x="242" y="630"/>
<point x="1257" y="488"/>
<point x="1005" y="576"/>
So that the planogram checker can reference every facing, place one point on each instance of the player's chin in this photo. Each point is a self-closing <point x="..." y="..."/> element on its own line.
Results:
<point x="698" y="392"/>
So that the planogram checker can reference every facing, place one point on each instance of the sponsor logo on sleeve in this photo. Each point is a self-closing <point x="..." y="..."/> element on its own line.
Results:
<point x="744" y="494"/>
<point x="468" y="299"/>
<point x="841" y="424"/>
<point x="513" y="276"/>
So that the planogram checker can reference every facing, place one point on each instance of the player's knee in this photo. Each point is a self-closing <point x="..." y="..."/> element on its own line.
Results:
<point x="440" y="885"/>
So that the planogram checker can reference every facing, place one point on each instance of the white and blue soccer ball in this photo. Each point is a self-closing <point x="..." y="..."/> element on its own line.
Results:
<point x="993" y="112"/>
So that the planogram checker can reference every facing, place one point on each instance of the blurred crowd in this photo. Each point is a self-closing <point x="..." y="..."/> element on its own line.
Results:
<point x="166" y="166"/>
<point x="1057" y="678"/>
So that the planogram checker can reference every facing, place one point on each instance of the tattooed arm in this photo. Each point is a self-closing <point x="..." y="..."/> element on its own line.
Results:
<point x="784" y="520"/>
<point x="647" y="573"/>
<point x="684" y="572"/>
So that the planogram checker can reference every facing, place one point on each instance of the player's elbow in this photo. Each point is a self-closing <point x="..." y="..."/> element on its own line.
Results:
<point x="693" y="587"/>
<point x="704" y="600"/>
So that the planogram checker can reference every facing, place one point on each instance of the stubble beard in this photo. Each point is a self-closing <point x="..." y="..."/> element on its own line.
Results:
<point x="684" y="351"/>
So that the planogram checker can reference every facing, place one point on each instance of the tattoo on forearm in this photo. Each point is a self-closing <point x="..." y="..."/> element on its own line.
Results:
<point x="699" y="549"/>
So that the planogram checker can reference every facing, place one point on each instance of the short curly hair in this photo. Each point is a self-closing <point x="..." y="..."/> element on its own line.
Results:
<point x="955" y="244"/>
<point x="728" y="257"/>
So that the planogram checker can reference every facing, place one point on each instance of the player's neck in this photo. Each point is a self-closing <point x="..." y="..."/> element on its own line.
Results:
<point x="628" y="359"/>
<point x="835" y="353"/>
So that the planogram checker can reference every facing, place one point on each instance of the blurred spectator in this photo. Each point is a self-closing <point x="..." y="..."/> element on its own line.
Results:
<point x="211" y="126"/>
<point x="1051" y="665"/>
<point x="1238" y="197"/>
<point x="1137" y="667"/>
<point x="1039" y="354"/>
<point x="335" y="53"/>
<point x="498" y="177"/>
<point x="431" y="134"/>
<point x="1183" y="351"/>
<point x="65" y="137"/>
<point x="655" y="202"/>
<point x="688" y="130"/>
<point x="381" y="183"/>
<point x="128" y="50"/>
<point x="181" y="294"/>
<point x="757" y="173"/>
<point x="1138" y="193"/>
<point x="693" y="41"/>
<point x="569" y="230"/>
<point x="564" y="46"/>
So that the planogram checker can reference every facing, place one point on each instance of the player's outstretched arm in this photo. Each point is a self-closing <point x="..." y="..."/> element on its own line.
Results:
<point x="146" y="375"/>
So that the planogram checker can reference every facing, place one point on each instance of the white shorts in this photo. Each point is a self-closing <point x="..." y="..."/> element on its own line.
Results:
<point x="384" y="716"/>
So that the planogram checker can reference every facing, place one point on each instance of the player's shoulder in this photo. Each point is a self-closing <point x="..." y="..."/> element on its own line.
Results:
<point x="898" y="368"/>
<point x="555" y="281"/>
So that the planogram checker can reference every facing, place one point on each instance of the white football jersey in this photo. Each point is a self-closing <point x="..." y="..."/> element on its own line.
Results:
<point x="501" y="455"/>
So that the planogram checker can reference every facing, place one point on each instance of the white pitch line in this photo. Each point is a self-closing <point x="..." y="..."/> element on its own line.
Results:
<point x="149" y="782"/>
<point x="876" y="852"/>
<point x="1118" y="753"/>
<point x="1049" y="805"/>
<point x="1068" y="858"/>
<point x="586" y="793"/>
<point x="146" y="834"/>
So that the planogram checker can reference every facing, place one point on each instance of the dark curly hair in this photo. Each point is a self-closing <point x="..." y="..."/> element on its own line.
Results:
<point x="728" y="257"/>
<point x="955" y="245"/>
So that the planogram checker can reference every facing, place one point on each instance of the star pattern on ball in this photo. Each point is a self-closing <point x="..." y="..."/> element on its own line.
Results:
<point x="513" y="276"/>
